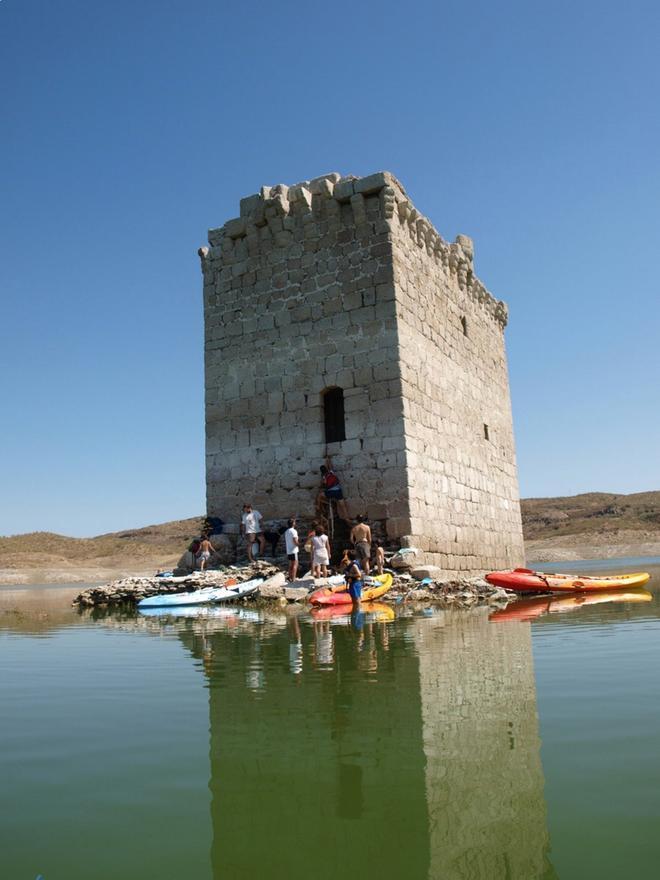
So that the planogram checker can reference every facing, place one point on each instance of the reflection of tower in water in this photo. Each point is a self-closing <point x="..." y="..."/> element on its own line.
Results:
<point x="484" y="779"/>
<point x="415" y="754"/>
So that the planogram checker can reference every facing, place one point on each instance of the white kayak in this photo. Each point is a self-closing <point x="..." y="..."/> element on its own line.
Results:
<point x="204" y="596"/>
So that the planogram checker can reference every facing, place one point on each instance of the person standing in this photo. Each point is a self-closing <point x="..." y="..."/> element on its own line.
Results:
<point x="204" y="552"/>
<point x="361" y="539"/>
<point x="353" y="578"/>
<point x="291" y="542"/>
<point x="251" y="530"/>
<point x="380" y="557"/>
<point x="320" y="553"/>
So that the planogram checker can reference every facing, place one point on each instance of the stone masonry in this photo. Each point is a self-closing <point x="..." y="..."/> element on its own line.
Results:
<point x="339" y="282"/>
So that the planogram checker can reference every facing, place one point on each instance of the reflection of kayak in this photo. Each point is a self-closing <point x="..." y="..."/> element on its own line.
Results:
<point x="375" y="612"/>
<point x="204" y="612"/>
<point x="200" y="597"/>
<point x="528" y="609"/>
<point x="373" y="588"/>
<point x="523" y="580"/>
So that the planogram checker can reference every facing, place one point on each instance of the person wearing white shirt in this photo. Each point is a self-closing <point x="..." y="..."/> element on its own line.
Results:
<point x="251" y="530"/>
<point x="291" y="542"/>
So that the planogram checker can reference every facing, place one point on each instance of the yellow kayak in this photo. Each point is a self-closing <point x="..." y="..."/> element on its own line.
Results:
<point x="374" y="588"/>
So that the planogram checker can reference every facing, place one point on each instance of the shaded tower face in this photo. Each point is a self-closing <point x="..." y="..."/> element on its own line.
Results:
<point x="338" y="322"/>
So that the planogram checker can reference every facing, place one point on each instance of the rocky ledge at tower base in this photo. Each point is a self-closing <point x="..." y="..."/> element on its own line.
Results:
<point x="448" y="592"/>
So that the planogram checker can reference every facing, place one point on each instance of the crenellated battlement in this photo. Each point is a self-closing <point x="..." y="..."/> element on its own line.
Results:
<point x="281" y="216"/>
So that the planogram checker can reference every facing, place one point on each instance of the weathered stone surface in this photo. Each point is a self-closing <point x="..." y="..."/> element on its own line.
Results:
<point x="273" y="587"/>
<point x="341" y="282"/>
<point x="295" y="594"/>
<point x="427" y="571"/>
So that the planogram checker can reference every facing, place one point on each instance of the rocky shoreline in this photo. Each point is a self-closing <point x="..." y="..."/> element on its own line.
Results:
<point x="419" y="585"/>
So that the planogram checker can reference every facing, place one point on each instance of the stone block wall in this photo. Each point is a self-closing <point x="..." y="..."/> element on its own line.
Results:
<point x="298" y="298"/>
<point x="339" y="282"/>
<point x="460" y="452"/>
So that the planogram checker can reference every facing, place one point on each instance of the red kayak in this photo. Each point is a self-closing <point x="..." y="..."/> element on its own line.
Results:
<point x="524" y="580"/>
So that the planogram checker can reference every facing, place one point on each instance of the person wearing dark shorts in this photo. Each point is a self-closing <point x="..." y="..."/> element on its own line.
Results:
<point x="331" y="488"/>
<point x="353" y="577"/>
<point x="291" y="541"/>
<point x="361" y="538"/>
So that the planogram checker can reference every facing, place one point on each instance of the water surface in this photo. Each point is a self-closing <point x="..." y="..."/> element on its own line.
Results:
<point x="262" y="744"/>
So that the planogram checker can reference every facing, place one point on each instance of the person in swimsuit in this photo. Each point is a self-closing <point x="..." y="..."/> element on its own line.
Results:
<point x="361" y="538"/>
<point x="353" y="577"/>
<point x="204" y="552"/>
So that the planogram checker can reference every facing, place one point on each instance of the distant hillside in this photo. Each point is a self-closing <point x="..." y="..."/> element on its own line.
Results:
<point x="593" y="512"/>
<point x="47" y="557"/>
<point x="598" y="524"/>
<point x="594" y="525"/>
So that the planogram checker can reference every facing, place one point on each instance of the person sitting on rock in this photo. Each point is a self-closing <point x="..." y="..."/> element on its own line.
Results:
<point x="331" y="488"/>
<point x="204" y="552"/>
<point x="361" y="538"/>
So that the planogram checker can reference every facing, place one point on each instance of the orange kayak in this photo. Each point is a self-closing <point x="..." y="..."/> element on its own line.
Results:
<point x="529" y="609"/>
<point x="524" y="580"/>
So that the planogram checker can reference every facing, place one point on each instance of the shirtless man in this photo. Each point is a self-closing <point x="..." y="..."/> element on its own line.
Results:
<point x="204" y="552"/>
<point x="361" y="538"/>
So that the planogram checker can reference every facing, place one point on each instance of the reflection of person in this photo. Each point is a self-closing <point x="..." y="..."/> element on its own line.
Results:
<point x="353" y="577"/>
<point x="331" y="488"/>
<point x="361" y="538"/>
<point x="291" y="542"/>
<point x="320" y="553"/>
<point x="204" y="552"/>
<point x="251" y="529"/>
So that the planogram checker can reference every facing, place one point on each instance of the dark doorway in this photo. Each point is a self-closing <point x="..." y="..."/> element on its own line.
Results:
<point x="333" y="415"/>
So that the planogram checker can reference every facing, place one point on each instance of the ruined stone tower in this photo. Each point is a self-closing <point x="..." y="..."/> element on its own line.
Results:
<point x="338" y="322"/>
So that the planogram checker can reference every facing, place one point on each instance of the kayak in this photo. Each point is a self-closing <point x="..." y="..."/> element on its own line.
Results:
<point x="524" y="580"/>
<point x="201" y="597"/>
<point x="378" y="612"/>
<point x="204" y="612"/>
<point x="374" y="588"/>
<point x="529" y="609"/>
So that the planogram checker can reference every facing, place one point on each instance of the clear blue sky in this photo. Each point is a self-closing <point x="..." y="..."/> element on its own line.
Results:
<point x="129" y="128"/>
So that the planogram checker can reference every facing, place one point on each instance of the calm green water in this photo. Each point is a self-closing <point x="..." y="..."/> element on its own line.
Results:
<point x="249" y="745"/>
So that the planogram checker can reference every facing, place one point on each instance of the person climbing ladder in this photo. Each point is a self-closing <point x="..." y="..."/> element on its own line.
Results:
<point x="331" y="488"/>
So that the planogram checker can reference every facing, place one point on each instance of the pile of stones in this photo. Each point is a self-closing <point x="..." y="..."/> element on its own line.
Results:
<point x="132" y="589"/>
<point x="416" y="585"/>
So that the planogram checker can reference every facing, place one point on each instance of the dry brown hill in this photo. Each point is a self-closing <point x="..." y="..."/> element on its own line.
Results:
<point x="597" y="524"/>
<point x="48" y="557"/>
<point x="593" y="525"/>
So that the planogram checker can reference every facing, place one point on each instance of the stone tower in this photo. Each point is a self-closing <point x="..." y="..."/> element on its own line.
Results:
<point x="338" y="322"/>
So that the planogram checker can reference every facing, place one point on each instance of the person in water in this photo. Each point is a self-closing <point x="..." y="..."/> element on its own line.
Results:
<point x="353" y="577"/>
<point x="204" y="552"/>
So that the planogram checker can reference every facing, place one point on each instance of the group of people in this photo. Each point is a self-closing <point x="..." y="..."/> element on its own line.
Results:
<point x="356" y="561"/>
